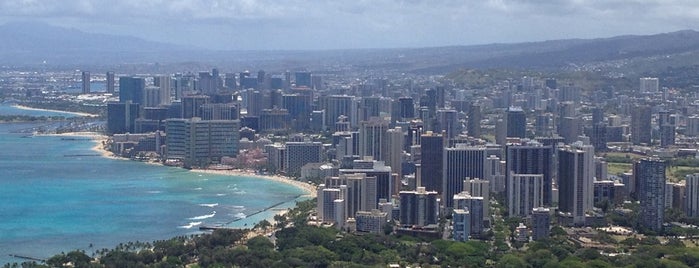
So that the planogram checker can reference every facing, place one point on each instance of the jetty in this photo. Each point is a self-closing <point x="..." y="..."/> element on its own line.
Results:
<point x="79" y="155"/>
<point x="27" y="258"/>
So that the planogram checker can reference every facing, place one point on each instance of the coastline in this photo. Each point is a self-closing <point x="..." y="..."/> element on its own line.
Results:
<point x="50" y="110"/>
<point x="308" y="188"/>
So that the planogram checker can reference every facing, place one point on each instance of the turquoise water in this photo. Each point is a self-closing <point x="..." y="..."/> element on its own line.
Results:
<point x="50" y="202"/>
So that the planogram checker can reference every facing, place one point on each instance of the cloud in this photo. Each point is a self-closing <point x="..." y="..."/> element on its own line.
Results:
<point x="358" y="23"/>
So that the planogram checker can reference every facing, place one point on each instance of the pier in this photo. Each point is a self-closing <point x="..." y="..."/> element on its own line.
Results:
<point x="79" y="155"/>
<point x="27" y="258"/>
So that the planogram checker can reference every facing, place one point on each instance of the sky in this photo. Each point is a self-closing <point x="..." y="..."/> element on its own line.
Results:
<point x="334" y="24"/>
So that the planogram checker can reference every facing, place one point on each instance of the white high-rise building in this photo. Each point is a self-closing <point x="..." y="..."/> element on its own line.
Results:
<point x="478" y="187"/>
<point x="165" y="89"/>
<point x="649" y="84"/>
<point x="525" y="193"/>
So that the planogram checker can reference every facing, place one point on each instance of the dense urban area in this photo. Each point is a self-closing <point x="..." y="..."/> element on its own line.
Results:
<point x="505" y="168"/>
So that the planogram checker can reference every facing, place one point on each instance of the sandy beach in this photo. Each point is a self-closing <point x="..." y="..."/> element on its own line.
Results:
<point x="99" y="139"/>
<point x="49" y="110"/>
<point x="306" y="187"/>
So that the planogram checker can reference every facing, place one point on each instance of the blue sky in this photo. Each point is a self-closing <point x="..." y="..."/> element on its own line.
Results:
<point x="330" y="24"/>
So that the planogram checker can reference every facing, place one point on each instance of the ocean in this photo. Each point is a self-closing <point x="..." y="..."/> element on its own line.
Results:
<point x="57" y="195"/>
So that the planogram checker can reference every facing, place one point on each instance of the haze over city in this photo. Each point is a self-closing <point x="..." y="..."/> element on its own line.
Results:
<point x="304" y="24"/>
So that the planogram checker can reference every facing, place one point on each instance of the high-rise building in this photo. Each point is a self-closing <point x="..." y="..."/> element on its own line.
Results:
<point x="381" y="174"/>
<point x="575" y="181"/>
<point x="191" y="105"/>
<point x="132" y="89"/>
<point x="474" y="204"/>
<point x="479" y="188"/>
<point x="303" y="79"/>
<point x="121" y="117"/>
<point x="531" y="157"/>
<point x="394" y="151"/>
<point x="516" y="122"/>
<point x="541" y="223"/>
<point x="649" y="84"/>
<point x="371" y="221"/>
<point x="199" y="143"/>
<point x="448" y="123"/>
<point x="301" y="153"/>
<point x="459" y="163"/>
<point x="335" y="106"/>
<point x="667" y="129"/>
<point x="372" y="138"/>
<point x="461" y="225"/>
<point x="524" y="193"/>
<point x="86" y="82"/>
<point x="110" y="82"/>
<point x="650" y="178"/>
<point x="165" y="89"/>
<point x="474" y="121"/>
<point x="357" y="190"/>
<point x="496" y="173"/>
<point x="691" y="207"/>
<point x="419" y="208"/>
<point x="431" y="161"/>
<point x="151" y="96"/>
<point x="641" y="125"/>
<point x="326" y="205"/>
<point x="407" y="108"/>
<point x="220" y="111"/>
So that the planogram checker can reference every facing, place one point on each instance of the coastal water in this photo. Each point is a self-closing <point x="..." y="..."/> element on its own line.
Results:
<point x="56" y="195"/>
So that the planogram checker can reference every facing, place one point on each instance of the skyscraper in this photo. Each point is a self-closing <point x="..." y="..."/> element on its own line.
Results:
<point x="418" y="208"/>
<point x="479" y="188"/>
<point x="474" y="204"/>
<point x="191" y="105"/>
<point x="86" y="83"/>
<point x="335" y="106"/>
<point x="407" y="108"/>
<point x="516" y="122"/>
<point x="692" y="195"/>
<point x="199" y="143"/>
<point x="524" y="193"/>
<point x="474" y="121"/>
<point x="121" y="117"/>
<point x="373" y="138"/>
<point x="461" y="227"/>
<point x="541" y="223"/>
<point x="459" y="163"/>
<point x="650" y="178"/>
<point x="531" y="157"/>
<point x="641" y="125"/>
<point x="431" y="161"/>
<point x="394" y="151"/>
<point x="110" y="82"/>
<point x="165" y="89"/>
<point x="575" y="181"/>
<point x="649" y="84"/>
<point x="301" y="153"/>
<point x="448" y="123"/>
<point x="132" y="89"/>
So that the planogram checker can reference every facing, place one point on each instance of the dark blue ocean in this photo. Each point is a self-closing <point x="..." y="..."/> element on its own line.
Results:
<point x="52" y="201"/>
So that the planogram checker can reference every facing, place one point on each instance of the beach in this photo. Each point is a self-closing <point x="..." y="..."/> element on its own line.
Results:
<point x="56" y="111"/>
<point x="309" y="189"/>
<point x="306" y="187"/>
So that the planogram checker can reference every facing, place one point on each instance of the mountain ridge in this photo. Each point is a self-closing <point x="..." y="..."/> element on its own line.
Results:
<point x="27" y="43"/>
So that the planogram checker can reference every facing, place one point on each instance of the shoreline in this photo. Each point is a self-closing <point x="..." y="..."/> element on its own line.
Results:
<point x="22" y="107"/>
<point x="308" y="188"/>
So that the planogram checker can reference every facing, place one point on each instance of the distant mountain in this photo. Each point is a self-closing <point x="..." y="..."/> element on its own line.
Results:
<point x="34" y="42"/>
<point x="31" y="43"/>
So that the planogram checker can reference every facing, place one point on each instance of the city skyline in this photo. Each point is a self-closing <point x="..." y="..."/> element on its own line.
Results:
<point x="298" y="24"/>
